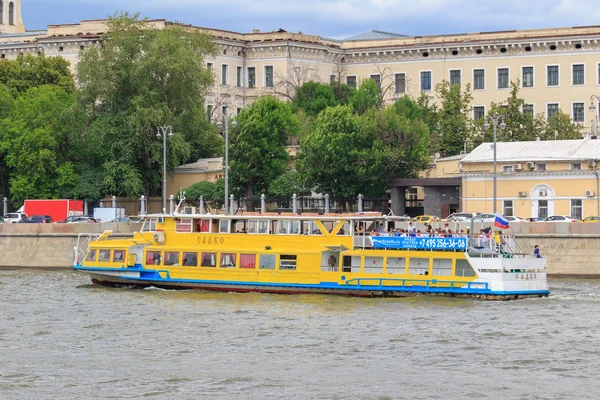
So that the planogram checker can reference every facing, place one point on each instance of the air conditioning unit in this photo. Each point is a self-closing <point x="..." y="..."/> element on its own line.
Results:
<point x="189" y="210"/>
<point x="592" y="163"/>
<point x="522" y="194"/>
<point x="159" y="237"/>
<point x="589" y="193"/>
<point x="517" y="167"/>
<point x="543" y="193"/>
<point x="530" y="165"/>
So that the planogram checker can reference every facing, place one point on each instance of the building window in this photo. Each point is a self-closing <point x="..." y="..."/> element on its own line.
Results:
<point x="209" y="67"/>
<point x="578" y="74"/>
<point x="351" y="81"/>
<point x="425" y="81"/>
<point x="238" y="77"/>
<point x="552" y="109"/>
<point x="543" y="208"/>
<point x="400" y="83"/>
<point x="527" y="77"/>
<point x="238" y="111"/>
<point x="209" y="111"/>
<point x="507" y="208"/>
<point x="479" y="79"/>
<point x="540" y="167"/>
<point x="576" y="209"/>
<point x="503" y="78"/>
<point x="478" y="112"/>
<point x="377" y="79"/>
<point x="224" y="70"/>
<point x="576" y="166"/>
<point x="578" y="112"/>
<point x="1" y="12"/>
<point x="528" y="109"/>
<point x="332" y="78"/>
<point x="455" y="76"/>
<point x="507" y="169"/>
<point x="269" y="76"/>
<point x="251" y="77"/>
<point x="60" y="48"/>
<point x="11" y="13"/>
<point x="552" y="75"/>
<point x="224" y="110"/>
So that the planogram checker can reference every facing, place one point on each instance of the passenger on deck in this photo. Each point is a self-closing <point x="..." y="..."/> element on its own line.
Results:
<point x="536" y="251"/>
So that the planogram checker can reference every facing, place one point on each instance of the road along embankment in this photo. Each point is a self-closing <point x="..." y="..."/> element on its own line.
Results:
<point x="51" y="245"/>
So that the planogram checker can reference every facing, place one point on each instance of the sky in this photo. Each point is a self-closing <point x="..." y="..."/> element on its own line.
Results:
<point x="330" y="18"/>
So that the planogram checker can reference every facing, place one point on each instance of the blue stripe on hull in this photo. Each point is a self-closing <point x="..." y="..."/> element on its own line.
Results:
<point x="152" y="277"/>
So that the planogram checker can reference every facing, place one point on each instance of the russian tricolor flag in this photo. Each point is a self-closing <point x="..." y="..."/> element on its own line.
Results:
<point x="500" y="221"/>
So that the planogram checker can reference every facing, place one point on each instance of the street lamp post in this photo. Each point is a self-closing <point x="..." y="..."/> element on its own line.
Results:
<point x="164" y="131"/>
<point x="226" y="166"/>
<point x="494" y="120"/>
<point x="593" y="109"/>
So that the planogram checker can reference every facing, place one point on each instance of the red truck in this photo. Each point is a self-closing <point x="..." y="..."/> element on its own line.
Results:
<point x="57" y="209"/>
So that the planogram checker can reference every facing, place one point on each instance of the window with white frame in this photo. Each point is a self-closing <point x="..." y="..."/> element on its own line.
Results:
<point x="425" y="81"/>
<point x="377" y="79"/>
<point x="507" y="208"/>
<point x="552" y="109"/>
<point x="576" y="166"/>
<point x="209" y="67"/>
<point x="455" y="77"/>
<point x="400" y="83"/>
<point x="351" y="81"/>
<point x="578" y="74"/>
<point x="578" y="112"/>
<point x="507" y="169"/>
<point x="224" y="72"/>
<point x="503" y="81"/>
<point x="209" y="110"/>
<point x="527" y="77"/>
<point x="552" y="77"/>
<point x="238" y="77"/>
<point x="478" y="112"/>
<point x="224" y="110"/>
<point x="576" y="209"/>
<point x="251" y="77"/>
<point x="269" y="76"/>
<point x="478" y="79"/>
<point x="528" y="110"/>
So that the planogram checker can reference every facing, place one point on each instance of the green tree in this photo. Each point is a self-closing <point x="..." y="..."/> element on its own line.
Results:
<point x="257" y="146"/>
<point x="453" y="119"/>
<point x="314" y="97"/>
<point x="212" y="192"/>
<point x="139" y="78"/>
<point x="519" y="126"/>
<point x="28" y="71"/>
<point x="288" y="184"/>
<point x="367" y="96"/>
<point x="341" y="156"/>
<point x="343" y="93"/>
<point x="561" y="127"/>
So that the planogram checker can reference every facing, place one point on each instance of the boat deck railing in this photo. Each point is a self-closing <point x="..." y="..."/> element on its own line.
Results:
<point x="83" y="246"/>
<point x="427" y="284"/>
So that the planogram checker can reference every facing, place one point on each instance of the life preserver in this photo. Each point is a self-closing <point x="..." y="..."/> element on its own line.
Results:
<point x="332" y="261"/>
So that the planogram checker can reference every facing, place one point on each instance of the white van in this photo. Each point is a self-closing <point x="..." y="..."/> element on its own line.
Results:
<point x="12" y="218"/>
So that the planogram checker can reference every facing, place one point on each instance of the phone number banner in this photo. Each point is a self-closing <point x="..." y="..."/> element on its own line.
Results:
<point x="382" y="242"/>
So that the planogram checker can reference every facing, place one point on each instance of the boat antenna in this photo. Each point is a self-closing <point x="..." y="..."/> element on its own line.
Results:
<point x="181" y="200"/>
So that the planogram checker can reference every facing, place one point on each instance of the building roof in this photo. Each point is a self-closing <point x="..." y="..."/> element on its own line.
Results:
<point x="375" y="35"/>
<point x="551" y="150"/>
<point x="203" y="165"/>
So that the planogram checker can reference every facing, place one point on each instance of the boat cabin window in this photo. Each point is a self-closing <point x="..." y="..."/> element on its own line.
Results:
<point x="418" y="266"/>
<point x="248" y="261"/>
<point x="209" y="260"/>
<point x="263" y="226"/>
<point x="395" y="265"/>
<point x="118" y="255"/>
<point x="267" y="261"/>
<point x="227" y="260"/>
<point x="104" y="256"/>
<point x="294" y="227"/>
<point x="329" y="225"/>
<point x="442" y="266"/>
<point x="287" y="262"/>
<point x="153" y="258"/>
<point x="329" y="261"/>
<point x="283" y="227"/>
<point x="238" y="226"/>
<point x="310" y="228"/>
<point x="224" y="226"/>
<point x="202" y="225"/>
<point x="345" y="230"/>
<point x="351" y="264"/>
<point x="373" y="265"/>
<point x="171" y="258"/>
<point x="190" y="259"/>
<point x="183" y="225"/>
<point x="149" y="225"/>
<point x="91" y="256"/>
<point x="464" y="268"/>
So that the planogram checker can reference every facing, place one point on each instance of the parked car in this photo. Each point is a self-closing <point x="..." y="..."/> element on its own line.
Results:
<point x="37" y="219"/>
<point x="516" y="219"/>
<point x="2" y="221"/>
<point x="426" y="218"/>
<point x="76" y="219"/>
<point x="484" y="217"/>
<point x="15" y="217"/>
<point x="461" y="216"/>
<point x="591" y="218"/>
<point x="560" y="218"/>
<point x="535" y="219"/>
<point x="128" y="219"/>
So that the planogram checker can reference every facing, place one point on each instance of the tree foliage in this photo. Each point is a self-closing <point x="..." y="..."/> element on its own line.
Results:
<point x="212" y="192"/>
<point x="314" y="97"/>
<point x="142" y="77"/>
<point x="367" y="96"/>
<point x="257" y="146"/>
<point x="561" y="127"/>
<point x="453" y="117"/>
<point x="29" y="71"/>
<point x="288" y="184"/>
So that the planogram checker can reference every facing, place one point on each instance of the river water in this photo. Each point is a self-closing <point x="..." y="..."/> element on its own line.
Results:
<point x="63" y="338"/>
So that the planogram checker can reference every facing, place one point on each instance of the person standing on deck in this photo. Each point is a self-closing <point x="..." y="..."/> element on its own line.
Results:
<point x="536" y="251"/>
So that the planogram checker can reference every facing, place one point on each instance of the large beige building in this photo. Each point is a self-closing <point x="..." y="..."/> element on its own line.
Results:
<point x="557" y="68"/>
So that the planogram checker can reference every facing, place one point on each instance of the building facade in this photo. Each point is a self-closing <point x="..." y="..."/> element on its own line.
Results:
<point x="556" y="68"/>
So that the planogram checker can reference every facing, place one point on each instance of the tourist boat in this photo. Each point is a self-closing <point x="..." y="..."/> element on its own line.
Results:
<point x="296" y="254"/>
